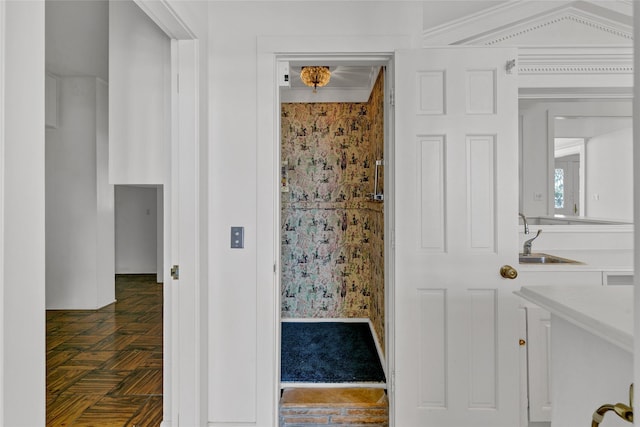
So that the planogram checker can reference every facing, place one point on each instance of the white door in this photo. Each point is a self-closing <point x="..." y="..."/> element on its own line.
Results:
<point x="457" y="352"/>
<point x="567" y="185"/>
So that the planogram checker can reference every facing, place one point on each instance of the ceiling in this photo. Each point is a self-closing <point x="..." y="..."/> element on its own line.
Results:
<point x="77" y="38"/>
<point x="350" y="82"/>
<point x="342" y="76"/>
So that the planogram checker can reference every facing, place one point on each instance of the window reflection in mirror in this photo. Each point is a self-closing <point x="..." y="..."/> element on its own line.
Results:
<point x="593" y="167"/>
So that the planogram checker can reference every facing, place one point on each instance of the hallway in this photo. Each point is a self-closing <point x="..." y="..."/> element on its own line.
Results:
<point x="104" y="367"/>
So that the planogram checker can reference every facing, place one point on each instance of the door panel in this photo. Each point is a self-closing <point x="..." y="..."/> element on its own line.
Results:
<point x="457" y="354"/>
<point x="538" y="344"/>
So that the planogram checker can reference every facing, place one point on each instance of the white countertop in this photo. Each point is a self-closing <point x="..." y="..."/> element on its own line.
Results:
<point x="606" y="311"/>
<point x="590" y="259"/>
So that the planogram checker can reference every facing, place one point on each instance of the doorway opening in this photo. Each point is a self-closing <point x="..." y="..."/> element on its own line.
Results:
<point x="333" y="215"/>
<point x="105" y="365"/>
<point x="568" y="176"/>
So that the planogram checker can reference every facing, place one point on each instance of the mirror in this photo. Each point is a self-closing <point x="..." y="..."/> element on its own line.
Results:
<point x="593" y="167"/>
<point x="576" y="163"/>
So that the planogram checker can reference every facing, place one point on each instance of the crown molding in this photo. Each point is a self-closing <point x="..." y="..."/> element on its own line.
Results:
<point x="577" y="93"/>
<point x="575" y="59"/>
<point x="563" y="67"/>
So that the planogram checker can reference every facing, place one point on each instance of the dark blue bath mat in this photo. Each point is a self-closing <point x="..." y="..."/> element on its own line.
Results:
<point x="329" y="352"/>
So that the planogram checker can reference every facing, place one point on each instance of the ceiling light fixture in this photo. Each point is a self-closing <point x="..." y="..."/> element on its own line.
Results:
<point x="315" y="76"/>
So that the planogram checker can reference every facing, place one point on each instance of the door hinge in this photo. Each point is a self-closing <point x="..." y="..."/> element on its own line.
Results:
<point x="175" y="272"/>
<point x="392" y="96"/>
<point x="393" y="381"/>
<point x="274" y="267"/>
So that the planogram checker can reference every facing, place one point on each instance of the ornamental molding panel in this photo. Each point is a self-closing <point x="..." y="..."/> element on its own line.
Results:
<point x="559" y="43"/>
<point x="537" y="23"/>
<point x="567" y="26"/>
<point x="575" y="59"/>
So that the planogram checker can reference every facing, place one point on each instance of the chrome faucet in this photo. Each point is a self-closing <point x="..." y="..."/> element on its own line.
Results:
<point x="526" y="250"/>
<point x="524" y="221"/>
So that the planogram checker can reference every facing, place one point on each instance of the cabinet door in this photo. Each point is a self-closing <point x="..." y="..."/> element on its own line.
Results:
<point x="538" y="346"/>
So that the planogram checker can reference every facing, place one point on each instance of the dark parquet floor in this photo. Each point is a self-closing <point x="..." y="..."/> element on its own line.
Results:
<point x="104" y="367"/>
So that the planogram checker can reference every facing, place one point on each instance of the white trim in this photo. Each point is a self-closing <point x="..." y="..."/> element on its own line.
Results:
<point x="488" y="25"/>
<point x="333" y="385"/>
<point x="583" y="228"/>
<point x="182" y="327"/>
<point x="189" y="339"/>
<point x="2" y="157"/>
<point x="576" y="93"/>
<point x="230" y="424"/>
<point x="485" y="20"/>
<point x="165" y="17"/>
<point x="568" y="59"/>
<point x="271" y="49"/>
<point x="170" y="324"/>
<point x="576" y="305"/>
<point x="600" y="23"/>
<point x="544" y="66"/>
<point x="327" y="320"/>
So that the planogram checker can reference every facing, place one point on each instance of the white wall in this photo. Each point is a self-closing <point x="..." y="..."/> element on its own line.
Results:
<point x="77" y="38"/>
<point x="136" y="230"/>
<point x="241" y="281"/>
<point x="79" y="200"/>
<point x="22" y="294"/>
<point x="139" y="83"/>
<point x="609" y="176"/>
<point x="105" y="205"/>
<point x="537" y="123"/>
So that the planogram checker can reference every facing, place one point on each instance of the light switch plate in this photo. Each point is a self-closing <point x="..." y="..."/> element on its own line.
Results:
<point x="237" y="237"/>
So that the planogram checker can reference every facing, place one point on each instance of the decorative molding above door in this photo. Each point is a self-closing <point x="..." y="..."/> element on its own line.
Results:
<point x="560" y="44"/>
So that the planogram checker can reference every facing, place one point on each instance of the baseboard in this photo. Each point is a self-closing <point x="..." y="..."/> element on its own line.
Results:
<point x="383" y="361"/>
<point x="80" y="308"/>
<point x="332" y="385"/>
<point x="327" y="319"/>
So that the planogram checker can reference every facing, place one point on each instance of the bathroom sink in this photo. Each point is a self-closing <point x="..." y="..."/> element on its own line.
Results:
<point x="541" y="258"/>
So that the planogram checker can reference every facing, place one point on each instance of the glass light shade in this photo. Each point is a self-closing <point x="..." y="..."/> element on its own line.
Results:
<point x="315" y="76"/>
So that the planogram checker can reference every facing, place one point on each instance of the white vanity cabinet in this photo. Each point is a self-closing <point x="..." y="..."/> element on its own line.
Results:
<point x="538" y="364"/>
<point x="591" y="345"/>
<point x="538" y="326"/>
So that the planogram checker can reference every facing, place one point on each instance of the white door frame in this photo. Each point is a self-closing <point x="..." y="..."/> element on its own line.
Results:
<point x="2" y="148"/>
<point x="184" y="401"/>
<point x="270" y="51"/>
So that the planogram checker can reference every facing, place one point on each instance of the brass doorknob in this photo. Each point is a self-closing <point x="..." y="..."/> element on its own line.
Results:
<point x="508" y="272"/>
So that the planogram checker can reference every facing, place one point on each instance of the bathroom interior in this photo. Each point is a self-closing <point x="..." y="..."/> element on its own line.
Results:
<point x="332" y="218"/>
<point x="332" y="237"/>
